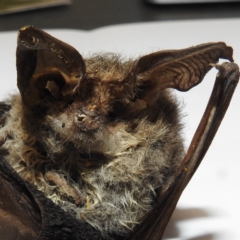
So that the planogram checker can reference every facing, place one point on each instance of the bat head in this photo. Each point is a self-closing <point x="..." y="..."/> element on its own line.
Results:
<point x="83" y="99"/>
<point x="100" y="136"/>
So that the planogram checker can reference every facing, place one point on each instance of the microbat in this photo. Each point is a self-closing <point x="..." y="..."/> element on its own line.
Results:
<point x="101" y="135"/>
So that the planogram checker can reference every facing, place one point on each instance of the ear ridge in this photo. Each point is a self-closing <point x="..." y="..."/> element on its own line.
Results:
<point x="39" y="54"/>
<point x="178" y="69"/>
<point x="164" y="57"/>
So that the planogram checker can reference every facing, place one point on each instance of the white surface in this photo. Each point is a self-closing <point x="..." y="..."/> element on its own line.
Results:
<point x="209" y="208"/>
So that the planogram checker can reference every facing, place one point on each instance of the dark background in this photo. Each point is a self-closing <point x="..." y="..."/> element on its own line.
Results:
<point x="90" y="14"/>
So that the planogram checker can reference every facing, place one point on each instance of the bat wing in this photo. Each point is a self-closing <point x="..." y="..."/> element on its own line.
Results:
<point x="26" y="214"/>
<point x="20" y="216"/>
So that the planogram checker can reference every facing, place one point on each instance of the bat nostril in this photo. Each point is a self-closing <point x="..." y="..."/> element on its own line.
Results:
<point x="81" y="117"/>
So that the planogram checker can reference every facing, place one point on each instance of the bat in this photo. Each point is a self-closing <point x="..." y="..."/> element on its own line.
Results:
<point x="91" y="148"/>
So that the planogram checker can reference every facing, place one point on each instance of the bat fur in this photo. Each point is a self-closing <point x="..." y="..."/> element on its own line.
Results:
<point x="98" y="148"/>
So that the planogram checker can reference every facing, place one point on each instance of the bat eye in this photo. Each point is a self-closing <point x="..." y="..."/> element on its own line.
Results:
<point x="70" y="102"/>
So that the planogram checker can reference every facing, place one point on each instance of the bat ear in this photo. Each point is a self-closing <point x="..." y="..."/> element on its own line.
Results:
<point x="45" y="65"/>
<point x="179" y="69"/>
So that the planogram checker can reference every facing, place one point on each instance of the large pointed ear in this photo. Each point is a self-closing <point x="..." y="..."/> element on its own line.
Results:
<point x="46" y="65"/>
<point x="179" y="69"/>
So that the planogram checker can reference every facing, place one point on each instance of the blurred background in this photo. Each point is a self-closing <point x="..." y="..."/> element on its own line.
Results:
<point x="91" y="14"/>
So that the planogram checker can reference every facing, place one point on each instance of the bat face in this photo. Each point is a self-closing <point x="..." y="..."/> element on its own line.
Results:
<point x="99" y="136"/>
<point x="92" y="110"/>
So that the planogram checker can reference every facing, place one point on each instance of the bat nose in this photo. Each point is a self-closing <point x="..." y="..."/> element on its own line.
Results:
<point x="81" y="117"/>
<point x="86" y="123"/>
